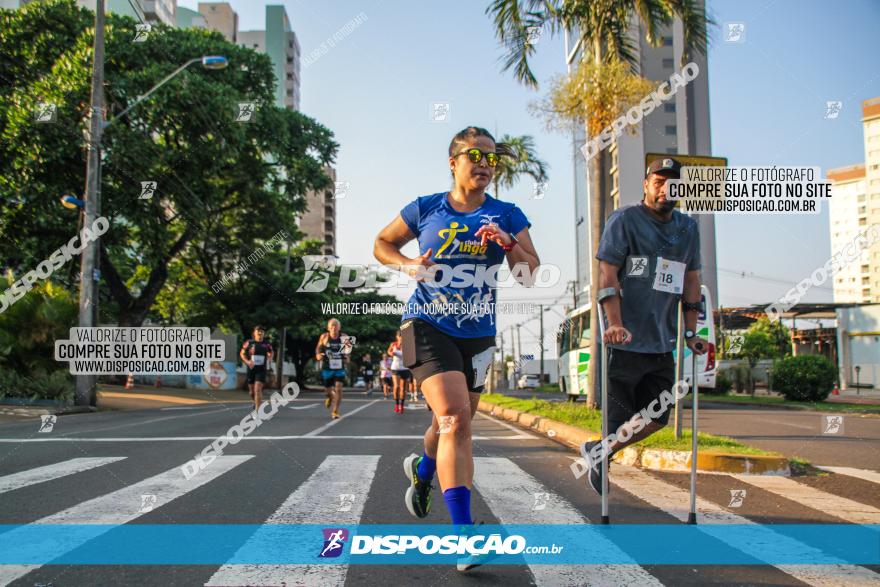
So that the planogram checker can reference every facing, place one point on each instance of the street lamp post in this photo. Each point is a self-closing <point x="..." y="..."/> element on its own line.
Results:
<point x="89" y="262"/>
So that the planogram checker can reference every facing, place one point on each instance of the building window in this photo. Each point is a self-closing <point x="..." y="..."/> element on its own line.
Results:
<point x="670" y="129"/>
<point x="862" y="222"/>
<point x="667" y="41"/>
<point x="865" y="268"/>
<point x="862" y="209"/>
<point x="861" y="198"/>
<point x="668" y="63"/>
<point x="290" y="92"/>
<point x="290" y="76"/>
<point x="669" y="107"/>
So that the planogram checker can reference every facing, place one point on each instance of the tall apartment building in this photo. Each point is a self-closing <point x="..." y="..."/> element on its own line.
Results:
<point x="319" y="220"/>
<point x="150" y="11"/>
<point x="220" y="17"/>
<point x="279" y="42"/>
<point x="854" y="206"/>
<point x="679" y="125"/>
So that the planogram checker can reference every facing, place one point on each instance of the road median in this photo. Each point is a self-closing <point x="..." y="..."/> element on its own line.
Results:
<point x="574" y="424"/>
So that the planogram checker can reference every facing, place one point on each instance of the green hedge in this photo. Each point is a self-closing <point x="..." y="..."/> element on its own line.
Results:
<point x="804" y="378"/>
<point x="57" y="385"/>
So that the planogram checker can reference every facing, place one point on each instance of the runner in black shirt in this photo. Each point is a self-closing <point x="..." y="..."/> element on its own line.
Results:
<point x="256" y="354"/>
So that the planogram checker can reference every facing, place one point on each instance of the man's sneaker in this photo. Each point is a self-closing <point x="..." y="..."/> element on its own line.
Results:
<point x="335" y="415"/>
<point x="327" y="402"/>
<point x="594" y="470"/>
<point x="396" y="408"/>
<point x="418" y="496"/>
<point x="472" y="561"/>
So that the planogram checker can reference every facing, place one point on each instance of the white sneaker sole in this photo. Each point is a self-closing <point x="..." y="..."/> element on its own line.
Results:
<point x="407" y="469"/>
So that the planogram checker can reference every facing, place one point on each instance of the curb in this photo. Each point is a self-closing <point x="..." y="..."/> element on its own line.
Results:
<point x="647" y="458"/>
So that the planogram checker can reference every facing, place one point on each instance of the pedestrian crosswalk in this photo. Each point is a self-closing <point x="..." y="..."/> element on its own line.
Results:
<point x="336" y="493"/>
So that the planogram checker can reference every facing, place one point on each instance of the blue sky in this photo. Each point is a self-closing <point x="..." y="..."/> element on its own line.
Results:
<point x="767" y="105"/>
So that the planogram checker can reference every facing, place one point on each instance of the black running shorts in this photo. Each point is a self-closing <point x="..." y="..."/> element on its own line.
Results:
<point x="428" y="351"/>
<point x="634" y="381"/>
<point x="258" y="373"/>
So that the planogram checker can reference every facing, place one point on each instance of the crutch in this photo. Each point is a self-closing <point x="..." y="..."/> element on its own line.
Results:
<point x="604" y="391"/>
<point x="692" y="514"/>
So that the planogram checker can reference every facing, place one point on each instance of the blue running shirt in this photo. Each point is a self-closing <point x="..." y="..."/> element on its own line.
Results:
<point x="459" y="310"/>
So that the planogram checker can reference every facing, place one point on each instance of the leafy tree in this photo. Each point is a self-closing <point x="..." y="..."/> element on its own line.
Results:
<point x="602" y="31"/>
<point x="223" y="186"/>
<point x="777" y="332"/>
<point x="756" y="345"/>
<point x="525" y="161"/>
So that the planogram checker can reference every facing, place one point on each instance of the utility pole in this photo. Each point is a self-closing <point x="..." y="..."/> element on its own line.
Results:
<point x="89" y="276"/>
<point x="281" y="343"/>
<point x="541" y="339"/>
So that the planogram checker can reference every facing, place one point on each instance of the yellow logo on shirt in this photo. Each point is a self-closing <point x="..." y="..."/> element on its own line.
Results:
<point x="472" y="247"/>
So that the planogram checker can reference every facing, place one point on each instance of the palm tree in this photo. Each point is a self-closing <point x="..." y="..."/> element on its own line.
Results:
<point x="601" y="29"/>
<point x="523" y="160"/>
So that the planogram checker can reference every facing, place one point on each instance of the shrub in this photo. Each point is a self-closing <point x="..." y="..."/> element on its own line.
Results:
<point x="804" y="378"/>
<point x="57" y="385"/>
<point x="723" y="383"/>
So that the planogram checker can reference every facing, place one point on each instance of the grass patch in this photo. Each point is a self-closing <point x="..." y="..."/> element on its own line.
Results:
<point x="581" y="416"/>
<point x="781" y="401"/>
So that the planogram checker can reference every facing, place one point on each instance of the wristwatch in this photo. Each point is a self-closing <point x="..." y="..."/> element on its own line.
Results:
<point x="513" y="243"/>
<point x="689" y="334"/>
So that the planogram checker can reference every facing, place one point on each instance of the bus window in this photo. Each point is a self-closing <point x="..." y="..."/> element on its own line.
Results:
<point x="585" y="331"/>
<point x="574" y="333"/>
<point x="564" y="338"/>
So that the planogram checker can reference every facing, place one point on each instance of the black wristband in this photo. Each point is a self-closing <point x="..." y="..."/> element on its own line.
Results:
<point x="692" y="306"/>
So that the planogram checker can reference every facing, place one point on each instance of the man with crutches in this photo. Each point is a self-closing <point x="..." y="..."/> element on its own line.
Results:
<point x="649" y="262"/>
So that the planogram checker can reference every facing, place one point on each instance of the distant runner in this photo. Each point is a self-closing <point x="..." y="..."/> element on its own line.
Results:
<point x="256" y="354"/>
<point x="332" y="353"/>
<point x="400" y="375"/>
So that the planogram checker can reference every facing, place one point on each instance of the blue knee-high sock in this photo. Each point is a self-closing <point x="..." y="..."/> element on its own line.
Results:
<point x="427" y="467"/>
<point x="458" y="501"/>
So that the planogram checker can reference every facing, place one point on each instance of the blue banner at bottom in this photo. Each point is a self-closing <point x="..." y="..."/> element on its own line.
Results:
<point x="661" y="544"/>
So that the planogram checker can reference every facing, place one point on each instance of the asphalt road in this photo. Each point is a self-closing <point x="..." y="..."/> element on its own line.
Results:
<point x="297" y="467"/>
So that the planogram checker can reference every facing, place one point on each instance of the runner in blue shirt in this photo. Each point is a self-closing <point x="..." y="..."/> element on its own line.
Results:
<point x="448" y="329"/>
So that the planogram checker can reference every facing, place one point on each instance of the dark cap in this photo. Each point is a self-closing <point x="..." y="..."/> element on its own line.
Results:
<point x="666" y="166"/>
<point x="259" y="327"/>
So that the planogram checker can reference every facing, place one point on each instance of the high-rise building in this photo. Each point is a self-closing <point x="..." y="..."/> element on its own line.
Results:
<point x="319" y="220"/>
<point x="190" y="19"/>
<point x="279" y="42"/>
<point x="149" y="11"/>
<point x="855" y="206"/>
<point x="679" y="125"/>
<point x="221" y="17"/>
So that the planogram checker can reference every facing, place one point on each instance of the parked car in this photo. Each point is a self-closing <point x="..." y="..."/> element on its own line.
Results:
<point x="528" y="381"/>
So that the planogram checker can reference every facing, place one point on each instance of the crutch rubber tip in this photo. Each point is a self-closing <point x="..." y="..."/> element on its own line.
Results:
<point x="606" y="520"/>
<point x="692" y="518"/>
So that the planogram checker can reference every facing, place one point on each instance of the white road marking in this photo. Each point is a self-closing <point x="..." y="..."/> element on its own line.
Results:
<point x="865" y="474"/>
<point x="54" y="471"/>
<point x="761" y="542"/>
<point x="509" y="491"/>
<point x="117" y="508"/>
<point x="306" y="407"/>
<point x="316" y="501"/>
<point x="833" y="505"/>
<point x="249" y="438"/>
<point x="331" y="423"/>
<point x="519" y="431"/>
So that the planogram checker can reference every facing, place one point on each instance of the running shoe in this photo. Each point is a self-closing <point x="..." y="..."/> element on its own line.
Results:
<point x="401" y="409"/>
<point x="327" y="402"/>
<point x="472" y="561"/>
<point x="418" y="496"/>
<point x="396" y="408"/>
<point x="594" y="472"/>
<point x="335" y="415"/>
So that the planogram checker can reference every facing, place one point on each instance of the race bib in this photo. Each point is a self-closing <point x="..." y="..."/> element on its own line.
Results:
<point x="335" y="363"/>
<point x="669" y="276"/>
<point x="258" y="360"/>
<point x="480" y="364"/>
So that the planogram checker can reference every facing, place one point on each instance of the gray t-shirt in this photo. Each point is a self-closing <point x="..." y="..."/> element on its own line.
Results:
<point x="637" y="241"/>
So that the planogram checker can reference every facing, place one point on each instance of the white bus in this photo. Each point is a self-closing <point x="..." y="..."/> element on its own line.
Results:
<point x="573" y="349"/>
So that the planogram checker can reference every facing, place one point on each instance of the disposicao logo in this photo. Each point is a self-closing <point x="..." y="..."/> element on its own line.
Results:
<point x="334" y="541"/>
